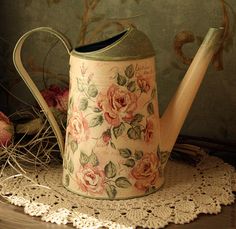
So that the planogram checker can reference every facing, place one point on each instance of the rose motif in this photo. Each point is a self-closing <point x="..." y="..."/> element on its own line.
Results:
<point x="91" y="179"/>
<point x="6" y="130"/>
<point x="118" y="104"/>
<point x="149" y="131"/>
<point x="143" y="83"/>
<point x="146" y="171"/>
<point x="57" y="100"/>
<point x="78" y="127"/>
<point x="105" y="139"/>
<point x="106" y="136"/>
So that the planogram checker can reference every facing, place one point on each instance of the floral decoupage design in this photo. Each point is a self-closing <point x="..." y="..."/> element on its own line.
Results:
<point x="112" y="130"/>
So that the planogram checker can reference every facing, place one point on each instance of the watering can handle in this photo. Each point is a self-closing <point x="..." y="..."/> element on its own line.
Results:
<point x="31" y="85"/>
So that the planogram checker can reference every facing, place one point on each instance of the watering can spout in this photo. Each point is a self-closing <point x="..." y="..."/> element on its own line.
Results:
<point x="177" y="110"/>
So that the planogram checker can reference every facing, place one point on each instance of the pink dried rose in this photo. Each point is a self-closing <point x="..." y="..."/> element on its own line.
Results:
<point x="62" y="101"/>
<point x="91" y="179"/>
<point x="56" y="97"/>
<point x="6" y="130"/>
<point x="117" y="104"/>
<point x="146" y="171"/>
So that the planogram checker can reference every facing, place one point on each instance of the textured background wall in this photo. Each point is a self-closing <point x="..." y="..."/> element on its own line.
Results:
<point x="213" y="112"/>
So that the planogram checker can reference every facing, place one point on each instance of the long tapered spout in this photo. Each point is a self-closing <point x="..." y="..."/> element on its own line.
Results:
<point x="179" y="106"/>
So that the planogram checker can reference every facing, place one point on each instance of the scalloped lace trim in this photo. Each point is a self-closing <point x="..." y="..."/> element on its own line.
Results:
<point x="187" y="192"/>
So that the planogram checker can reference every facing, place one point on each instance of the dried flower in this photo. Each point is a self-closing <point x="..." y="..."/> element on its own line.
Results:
<point x="6" y="130"/>
<point x="57" y="100"/>
<point x="62" y="101"/>
<point x="56" y="97"/>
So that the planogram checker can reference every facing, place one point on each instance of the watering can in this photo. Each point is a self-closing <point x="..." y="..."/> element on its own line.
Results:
<point x="116" y="145"/>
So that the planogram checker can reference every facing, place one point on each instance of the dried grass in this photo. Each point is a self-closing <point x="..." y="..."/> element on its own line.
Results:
<point x="28" y="152"/>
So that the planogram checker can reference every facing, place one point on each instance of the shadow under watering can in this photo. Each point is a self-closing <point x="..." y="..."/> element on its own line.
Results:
<point x="116" y="145"/>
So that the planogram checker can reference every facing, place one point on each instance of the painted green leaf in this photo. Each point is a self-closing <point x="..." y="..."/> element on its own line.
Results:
<point x="158" y="152"/>
<point x="150" y="108"/>
<point x="83" y="104"/>
<point x="131" y="86"/>
<point x="129" y="71"/>
<point x="134" y="133"/>
<point x="112" y="145"/>
<point x="151" y="189"/>
<point x="137" y="118"/>
<point x="118" y="131"/>
<point x="164" y="156"/>
<point x="129" y="163"/>
<point x="125" y="152"/>
<point x="96" y="110"/>
<point x="71" y="101"/>
<point x="84" y="159"/>
<point x="80" y="85"/>
<point x="121" y="80"/>
<point x="110" y="170"/>
<point x="98" y="120"/>
<point x="93" y="159"/>
<point x="138" y="154"/>
<point x="67" y="180"/>
<point x="111" y="191"/>
<point x="71" y="166"/>
<point x="73" y="146"/>
<point x="122" y="182"/>
<point x="153" y="94"/>
<point x="92" y="90"/>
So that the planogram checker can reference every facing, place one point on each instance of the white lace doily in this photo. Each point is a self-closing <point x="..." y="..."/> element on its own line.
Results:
<point x="187" y="192"/>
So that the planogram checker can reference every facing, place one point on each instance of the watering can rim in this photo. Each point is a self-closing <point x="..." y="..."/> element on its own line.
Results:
<point x="131" y="43"/>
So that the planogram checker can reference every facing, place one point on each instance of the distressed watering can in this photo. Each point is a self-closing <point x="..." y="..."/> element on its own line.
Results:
<point x="116" y="146"/>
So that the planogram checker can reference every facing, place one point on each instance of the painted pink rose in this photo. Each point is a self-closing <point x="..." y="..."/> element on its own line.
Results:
<point x="143" y="83"/>
<point x="149" y="131"/>
<point x="146" y="171"/>
<point x="105" y="139"/>
<point x="117" y="104"/>
<point x="6" y="130"/>
<point x="78" y="127"/>
<point x="91" y="179"/>
<point x="106" y="136"/>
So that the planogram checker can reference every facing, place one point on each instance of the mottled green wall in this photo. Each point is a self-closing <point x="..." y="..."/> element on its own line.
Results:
<point x="213" y="112"/>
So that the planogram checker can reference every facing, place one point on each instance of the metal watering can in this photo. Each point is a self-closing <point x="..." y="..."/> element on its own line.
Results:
<point x="116" y="146"/>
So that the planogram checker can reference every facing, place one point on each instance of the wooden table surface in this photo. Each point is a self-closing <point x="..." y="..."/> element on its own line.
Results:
<point x="13" y="217"/>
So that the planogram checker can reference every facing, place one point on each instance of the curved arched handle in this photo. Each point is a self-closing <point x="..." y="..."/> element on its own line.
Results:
<point x="31" y="85"/>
